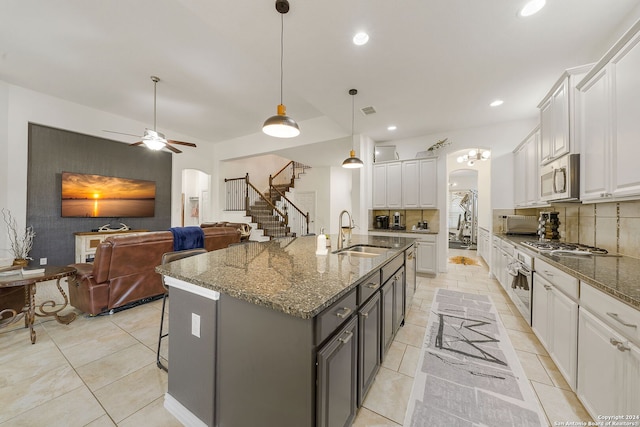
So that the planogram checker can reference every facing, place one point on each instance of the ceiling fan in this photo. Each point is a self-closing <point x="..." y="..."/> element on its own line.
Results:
<point x="153" y="139"/>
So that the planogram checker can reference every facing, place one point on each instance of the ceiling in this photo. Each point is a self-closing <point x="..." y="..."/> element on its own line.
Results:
<point x="430" y="65"/>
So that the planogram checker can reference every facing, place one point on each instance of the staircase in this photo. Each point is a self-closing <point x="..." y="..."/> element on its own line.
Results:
<point x="271" y="210"/>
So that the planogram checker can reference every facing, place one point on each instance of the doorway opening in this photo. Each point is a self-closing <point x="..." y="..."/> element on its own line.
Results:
<point x="462" y="219"/>
<point x="195" y="197"/>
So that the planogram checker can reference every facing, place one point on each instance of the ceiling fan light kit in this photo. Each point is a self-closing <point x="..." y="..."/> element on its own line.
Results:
<point x="352" y="162"/>
<point x="281" y="125"/>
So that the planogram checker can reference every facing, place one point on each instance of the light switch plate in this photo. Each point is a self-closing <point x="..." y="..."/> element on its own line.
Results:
<point x="195" y="325"/>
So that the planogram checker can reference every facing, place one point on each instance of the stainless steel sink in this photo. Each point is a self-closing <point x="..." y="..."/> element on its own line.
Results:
<point x="363" y="251"/>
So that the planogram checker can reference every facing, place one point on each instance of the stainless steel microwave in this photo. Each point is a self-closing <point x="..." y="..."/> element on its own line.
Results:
<point x="559" y="180"/>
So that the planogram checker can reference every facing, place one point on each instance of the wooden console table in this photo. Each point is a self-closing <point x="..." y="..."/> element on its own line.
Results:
<point x="87" y="242"/>
<point x="16" y="304"/>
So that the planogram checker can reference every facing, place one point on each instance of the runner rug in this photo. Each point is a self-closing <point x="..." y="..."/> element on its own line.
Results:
<point x="468" y="373"/>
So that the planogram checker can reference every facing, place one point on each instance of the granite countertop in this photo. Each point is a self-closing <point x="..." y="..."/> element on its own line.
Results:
<point x="285" y="274"/>
<point x="417" y="231"/>
<point x="618" y="276"/>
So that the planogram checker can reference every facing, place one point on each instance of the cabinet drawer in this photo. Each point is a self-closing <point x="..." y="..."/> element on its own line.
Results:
<point x="93" y="242"/>
<point x="558" y="278"/>
<point x="507" y="247"/>
<point x="393" y="266"/>
<point x="616" y="314"/>
<point x="334" y="316"/>
<point x="368" y="287"/>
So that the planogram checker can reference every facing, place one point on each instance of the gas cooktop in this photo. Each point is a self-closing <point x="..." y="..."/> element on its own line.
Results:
<point x="554" y="247"/>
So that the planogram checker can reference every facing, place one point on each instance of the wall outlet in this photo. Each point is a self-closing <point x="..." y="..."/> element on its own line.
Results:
<point x="43" y="261"/>
<point x="195" y="325"/>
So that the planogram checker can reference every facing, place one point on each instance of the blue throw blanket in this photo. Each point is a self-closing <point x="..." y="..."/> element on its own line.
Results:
<point x="187" y="238"/>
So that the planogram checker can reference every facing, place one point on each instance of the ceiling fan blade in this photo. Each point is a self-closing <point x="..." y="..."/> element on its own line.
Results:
<point x="188" y="144"/>
<point x="174" y="149"/>
<point x="121" y="133"/>
<point x="136" y="143"/>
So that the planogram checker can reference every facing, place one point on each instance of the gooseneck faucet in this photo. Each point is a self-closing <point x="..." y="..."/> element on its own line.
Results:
<point x="341" y="236"/>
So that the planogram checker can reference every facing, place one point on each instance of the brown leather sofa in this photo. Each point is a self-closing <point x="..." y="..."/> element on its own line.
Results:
<point x="123" y="270"/>
<point x="245" y="229"/>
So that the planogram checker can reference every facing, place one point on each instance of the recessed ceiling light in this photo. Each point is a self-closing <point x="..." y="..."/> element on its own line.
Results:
<point x="361" y="38"/>
<point x="497" y="103"/>
<point x="532" y="7"/>
<point x="392" y="127"/>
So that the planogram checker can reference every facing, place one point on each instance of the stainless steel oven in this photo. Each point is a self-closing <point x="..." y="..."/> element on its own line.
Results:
<point x="520" y="290"/>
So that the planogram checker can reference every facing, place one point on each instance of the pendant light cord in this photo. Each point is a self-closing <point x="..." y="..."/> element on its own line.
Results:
<point x="281" y="54"/>
<point x="353" y="109"/>
<point x="155" y="84"/>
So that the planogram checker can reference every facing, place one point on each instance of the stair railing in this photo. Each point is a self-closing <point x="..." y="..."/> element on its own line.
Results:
<point x="298" y="220"/>
<point x="253" y="195"/>
<point x="236" y="193"/>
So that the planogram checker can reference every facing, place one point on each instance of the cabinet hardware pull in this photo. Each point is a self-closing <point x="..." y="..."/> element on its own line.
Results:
<point x="615" y="317"/>
<point x="365" y="315"/>
<point x="547" y="287"/>
<point x="623" y="347"/>
<point x="373" y="286"/>
<point x="548" y="273"/>
<point x="347" y="339"/>
<point x="614" y="342"/>
<point x="345" y="313"/>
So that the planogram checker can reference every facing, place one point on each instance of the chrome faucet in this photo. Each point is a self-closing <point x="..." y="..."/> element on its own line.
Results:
<point x="341" y="236"/>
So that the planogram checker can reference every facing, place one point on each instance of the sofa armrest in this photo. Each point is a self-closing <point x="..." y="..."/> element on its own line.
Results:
<point x="83" y="271"/>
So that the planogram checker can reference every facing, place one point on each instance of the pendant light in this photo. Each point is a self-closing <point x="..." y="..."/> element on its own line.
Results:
<point x="281" y="125"/>
<point x="352" y="162"/>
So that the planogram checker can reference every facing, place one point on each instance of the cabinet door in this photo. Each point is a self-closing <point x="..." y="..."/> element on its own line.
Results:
<point x="394" y="185"/>
<point x="540" y="309"/>
<point x="600" y="364"/>
<point x="560" y="144"/>
<point x="532" y="169"/>
<point x="380" y="186"/>
<point x="410" y="184"/>
<point x="595" y="137"/>
<point x="564" y="335"/>
<point x="398" y="300"/>
<point x="632" y="375"/>
<point x="338" y="378"/>
<point x="546" y="130"/>
<point x="387" y="317"/>
<point x="426" y="257"/>
<point x="428" y="183"/>
<point x="369" y="336"/>
<point x="519" y="177"/>
<point x="626" y="150"/>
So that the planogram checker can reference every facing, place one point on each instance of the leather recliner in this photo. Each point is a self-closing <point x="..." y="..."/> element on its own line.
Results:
<point x="123" y="270"/>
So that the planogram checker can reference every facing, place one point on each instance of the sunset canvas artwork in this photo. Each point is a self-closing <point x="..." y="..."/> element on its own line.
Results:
<point x="93" y="196"/>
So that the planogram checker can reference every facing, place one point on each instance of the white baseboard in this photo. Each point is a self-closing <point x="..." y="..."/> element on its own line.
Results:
<point x="181" y="413"/>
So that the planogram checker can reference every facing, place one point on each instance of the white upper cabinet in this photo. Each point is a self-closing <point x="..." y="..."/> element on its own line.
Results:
<point x="526" y="170"/>
<point x="609" y="124"/>
<point x="428" y="183"/>
<point x="626" y="141"/>
<point x="557" y="116"/>
<point x="405" y="184"/>
<point x="410" y="184"/>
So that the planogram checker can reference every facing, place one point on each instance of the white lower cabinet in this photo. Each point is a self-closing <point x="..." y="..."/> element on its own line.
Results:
<point x="608" y="355"/>
<point x="427" y="255"/>
<point x="555" y="321"/>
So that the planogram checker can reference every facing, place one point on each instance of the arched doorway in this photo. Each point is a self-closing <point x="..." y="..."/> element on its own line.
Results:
<point x="195" y="197"/>
<point x="462" y="217"/>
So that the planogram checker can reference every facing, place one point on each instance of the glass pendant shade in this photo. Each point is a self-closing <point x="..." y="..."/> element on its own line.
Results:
<point x="352" y="162"/>
<point x="154" y="144"/>
<point x="281" y="125"/>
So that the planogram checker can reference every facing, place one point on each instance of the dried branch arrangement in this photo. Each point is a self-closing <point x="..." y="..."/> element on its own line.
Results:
<point x="22" y="243"/>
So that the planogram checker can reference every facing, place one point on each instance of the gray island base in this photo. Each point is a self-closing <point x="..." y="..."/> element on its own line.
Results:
<point x="271" y="334"/>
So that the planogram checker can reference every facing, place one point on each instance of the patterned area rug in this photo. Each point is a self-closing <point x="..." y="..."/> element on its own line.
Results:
<point x="469" y="374"/>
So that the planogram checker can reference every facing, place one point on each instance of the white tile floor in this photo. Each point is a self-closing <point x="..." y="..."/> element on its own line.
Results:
<point x="101" y="371"/>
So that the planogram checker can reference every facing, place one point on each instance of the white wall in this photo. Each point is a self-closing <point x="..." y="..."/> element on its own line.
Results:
<point x="19" y="106"/>
<point x="317" y="179"/>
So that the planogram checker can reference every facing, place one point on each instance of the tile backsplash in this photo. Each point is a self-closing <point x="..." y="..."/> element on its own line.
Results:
<point x="614" y="226"/>
<point x="409" y="217"/>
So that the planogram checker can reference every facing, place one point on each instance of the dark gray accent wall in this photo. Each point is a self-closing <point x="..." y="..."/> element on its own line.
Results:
<point x="53" y="151"/>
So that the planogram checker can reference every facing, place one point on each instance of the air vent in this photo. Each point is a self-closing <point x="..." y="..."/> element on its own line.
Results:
<point x="368" y="110"/>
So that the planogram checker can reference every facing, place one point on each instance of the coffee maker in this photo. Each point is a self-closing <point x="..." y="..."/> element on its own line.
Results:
<point x="382" y="222"/>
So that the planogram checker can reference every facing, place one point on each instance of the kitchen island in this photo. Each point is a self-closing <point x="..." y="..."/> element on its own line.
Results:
<point x="273" y="334"/>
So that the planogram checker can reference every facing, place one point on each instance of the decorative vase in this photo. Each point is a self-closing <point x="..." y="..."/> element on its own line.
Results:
<point x="22" y="262"/>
